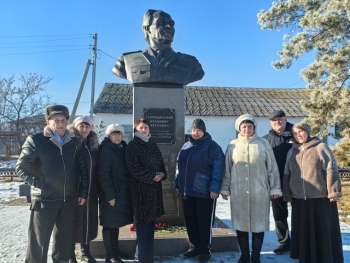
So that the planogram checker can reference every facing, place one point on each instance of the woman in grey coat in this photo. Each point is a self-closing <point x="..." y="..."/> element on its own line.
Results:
<point x="251" y="177"/>
<point x="312" y="184"/>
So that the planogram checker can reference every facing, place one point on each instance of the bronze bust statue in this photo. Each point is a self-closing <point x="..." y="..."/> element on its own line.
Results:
<point x="158" y="63"/>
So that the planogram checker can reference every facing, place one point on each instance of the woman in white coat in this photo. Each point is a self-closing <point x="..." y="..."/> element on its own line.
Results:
<point x="251" y="178"/>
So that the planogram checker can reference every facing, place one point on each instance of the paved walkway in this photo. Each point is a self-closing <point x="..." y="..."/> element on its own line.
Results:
<point x="270" y="243"/>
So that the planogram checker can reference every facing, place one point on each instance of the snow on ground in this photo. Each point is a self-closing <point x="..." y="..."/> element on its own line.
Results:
<point x="9" y="191"/>
<point x="14" y="225"/>
<point x="8" y="164"/>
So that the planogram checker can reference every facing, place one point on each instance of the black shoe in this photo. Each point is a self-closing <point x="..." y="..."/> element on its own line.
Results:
<point x="113" y="260"/>
<point x="191" y="253"/>
<point x="88" y="259"/>
<point x="244" y="258"/>
<point x="281" y="249"/>
<point x="203" y="258"/>
<point x="123" y="255"/>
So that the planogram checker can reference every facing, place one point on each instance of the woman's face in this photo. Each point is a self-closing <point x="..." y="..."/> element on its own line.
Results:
<point x="246" y="129"/>
<point x="300" y="135"/>
<point x="116" y="137"/>
<point x="143" y="129"/>
<point x="197" y="134"/>
<point x="83" y="129"/>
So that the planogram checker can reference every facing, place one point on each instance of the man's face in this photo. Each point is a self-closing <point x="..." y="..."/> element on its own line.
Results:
<point x="162" y="28"/>
<point x="58" y="123"/>
<point x="278" y="124"/>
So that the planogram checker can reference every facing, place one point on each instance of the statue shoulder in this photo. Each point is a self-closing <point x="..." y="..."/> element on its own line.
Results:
<point x="132" y="52"/>
<point x="185" y="55"/>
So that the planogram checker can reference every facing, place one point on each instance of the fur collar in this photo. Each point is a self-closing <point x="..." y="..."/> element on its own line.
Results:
<point x="91" y="140"/>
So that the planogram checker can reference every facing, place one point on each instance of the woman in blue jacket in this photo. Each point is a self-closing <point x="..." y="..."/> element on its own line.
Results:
<point x="200" y="166"/>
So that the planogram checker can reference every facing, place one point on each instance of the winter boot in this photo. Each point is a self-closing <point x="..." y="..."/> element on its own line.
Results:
<point x="85" y="253"/>
<point x="243" y="241"/>
<point x="72" y="258"/>
<point x="257" y="241"/>
<point x="116" y="241"/>
<point x="108" y="241"/>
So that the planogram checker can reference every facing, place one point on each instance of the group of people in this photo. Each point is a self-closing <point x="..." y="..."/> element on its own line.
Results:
<point x="72" y="176"/>
<point x="285" y="165"/>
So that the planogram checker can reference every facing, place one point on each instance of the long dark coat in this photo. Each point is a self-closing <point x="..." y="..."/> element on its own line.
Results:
<point x="86" y="216"/>
<point x="144" y="160"/>
<point x="115" y="184"/>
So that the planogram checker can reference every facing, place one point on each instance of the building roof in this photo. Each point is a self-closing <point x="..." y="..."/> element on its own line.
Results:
<point x="213" y="101"/>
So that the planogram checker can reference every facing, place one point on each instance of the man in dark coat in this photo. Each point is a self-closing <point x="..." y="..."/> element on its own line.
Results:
<point x="158" y="63"/>
<point x="52" y="162"/>
<point x="280" y="138"/>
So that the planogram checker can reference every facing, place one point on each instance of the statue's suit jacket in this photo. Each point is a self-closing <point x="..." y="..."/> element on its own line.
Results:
<point x="143" y="67"/>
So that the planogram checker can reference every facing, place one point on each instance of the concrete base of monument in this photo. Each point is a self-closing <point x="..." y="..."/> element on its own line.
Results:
<point x="223" y="239"/>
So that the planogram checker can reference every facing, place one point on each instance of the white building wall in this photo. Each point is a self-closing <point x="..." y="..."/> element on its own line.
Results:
<point x="331" y="141"/>
<point x="109" y="118"/>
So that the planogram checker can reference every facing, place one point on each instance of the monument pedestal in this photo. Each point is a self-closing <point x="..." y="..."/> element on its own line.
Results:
<point x="164" y="106"/>
<point x="223" y="239"/>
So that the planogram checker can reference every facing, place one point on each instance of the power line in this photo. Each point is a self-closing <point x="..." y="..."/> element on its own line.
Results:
<point x="46" y="36"/>
<point x="106" y="53"/>
<point x="293" y="84"/>
<point x="53" y="51"/>
<point x="50" y="46"/>
<point x="49" y="40"/>
<point x="73" y="102"/>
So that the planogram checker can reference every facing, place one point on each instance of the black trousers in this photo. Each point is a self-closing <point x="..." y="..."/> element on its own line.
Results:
<point x="280" y="214"/>
<point x="199" y="214"/>
<point x="145" y="240"/>
<point x="55" y="219"/>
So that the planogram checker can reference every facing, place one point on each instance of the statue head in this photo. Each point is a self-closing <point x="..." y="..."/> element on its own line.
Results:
<point x="158" y="27"/>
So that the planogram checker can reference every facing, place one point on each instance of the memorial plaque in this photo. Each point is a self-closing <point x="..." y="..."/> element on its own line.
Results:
<point x="162" y="124"/>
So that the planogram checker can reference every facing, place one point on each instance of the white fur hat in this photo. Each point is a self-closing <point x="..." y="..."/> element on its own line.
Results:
<point x="244" y="117"/>
<point x="114" y="127"/>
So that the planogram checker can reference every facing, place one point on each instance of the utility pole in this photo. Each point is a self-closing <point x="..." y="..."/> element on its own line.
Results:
<point x="72" y="116"/>
<point x="94" y="53"/>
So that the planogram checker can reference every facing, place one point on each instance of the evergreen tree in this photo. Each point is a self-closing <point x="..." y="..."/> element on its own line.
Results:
<point x="321" y="26"/>
<point x="100" y="130"/>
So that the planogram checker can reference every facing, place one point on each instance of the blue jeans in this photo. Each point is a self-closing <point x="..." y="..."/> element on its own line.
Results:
<point x="145" y="240"/>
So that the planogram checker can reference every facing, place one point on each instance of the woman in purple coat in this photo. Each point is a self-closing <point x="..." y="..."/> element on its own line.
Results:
<point x="86" y="216"/>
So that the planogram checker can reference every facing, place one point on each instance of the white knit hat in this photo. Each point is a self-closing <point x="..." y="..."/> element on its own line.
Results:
<point x="113" y="128"/>
<point x="244" y="117"/>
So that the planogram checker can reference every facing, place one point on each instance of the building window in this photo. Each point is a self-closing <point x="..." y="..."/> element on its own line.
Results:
<point x="129" y="133"/>
<point x="337" y="130"/>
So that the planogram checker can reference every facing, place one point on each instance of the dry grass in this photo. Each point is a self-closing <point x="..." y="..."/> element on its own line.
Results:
<point x="344" y="202"/>
<point x="8" y="179"/>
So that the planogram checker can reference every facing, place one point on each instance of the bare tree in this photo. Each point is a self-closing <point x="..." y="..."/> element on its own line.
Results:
<point x="21" y="103"/>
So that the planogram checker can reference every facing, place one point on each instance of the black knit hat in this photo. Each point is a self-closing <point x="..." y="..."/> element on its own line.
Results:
<point x="56" y="109"/>
<point x="198" y="124"/>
